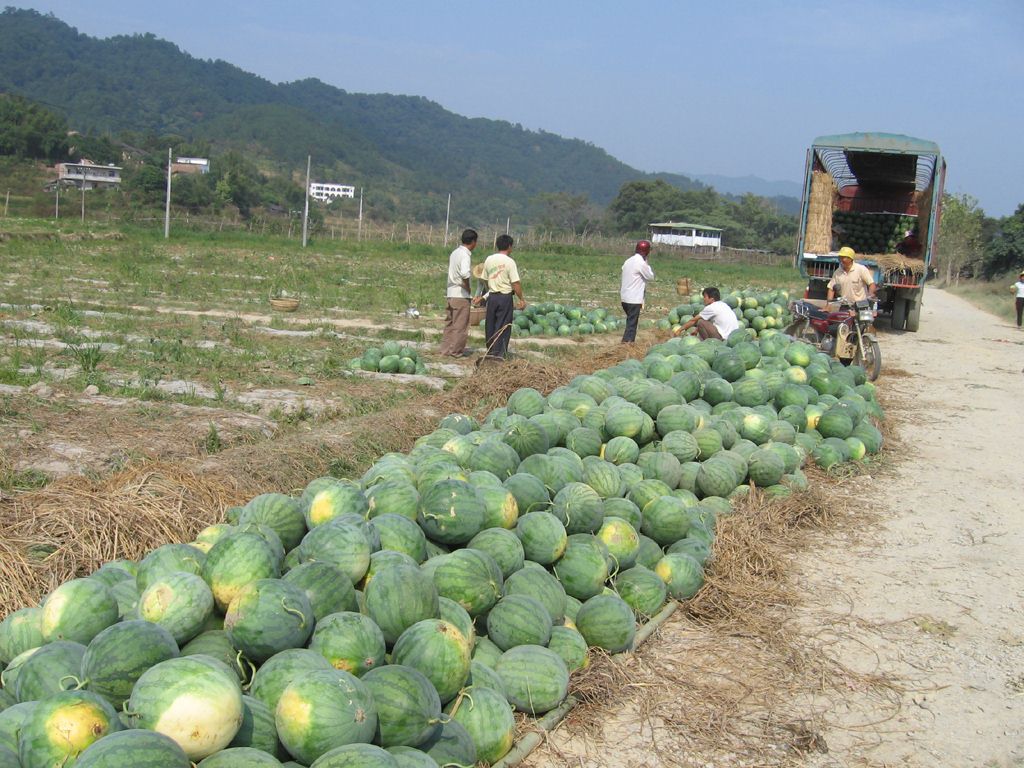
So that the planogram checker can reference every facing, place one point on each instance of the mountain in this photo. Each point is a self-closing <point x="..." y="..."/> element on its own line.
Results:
<point x="407" y="151"/>
<point x="755" y="185"/>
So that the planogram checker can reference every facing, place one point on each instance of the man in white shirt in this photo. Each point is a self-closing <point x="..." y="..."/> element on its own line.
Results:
<point x="716" y="321"/>
<point x="636" y="274"/>
<point x="1018" y="289"/>
<point x="456" y="317"/>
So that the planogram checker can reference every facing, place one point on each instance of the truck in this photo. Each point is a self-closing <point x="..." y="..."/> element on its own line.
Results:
<point x="880" y="194"/>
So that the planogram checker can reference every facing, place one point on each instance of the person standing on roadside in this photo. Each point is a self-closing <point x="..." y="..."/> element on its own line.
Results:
<point x="636" y="274"/>
<point x="502" y="276"/>
<point x="1019" y="288"/>
<point x="456" y="316"/>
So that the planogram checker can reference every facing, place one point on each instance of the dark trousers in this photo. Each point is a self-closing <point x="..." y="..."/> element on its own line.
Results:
<point x="498" y="324"/>
<point x="632" y="320"/>
<point x="1020" y="309"/>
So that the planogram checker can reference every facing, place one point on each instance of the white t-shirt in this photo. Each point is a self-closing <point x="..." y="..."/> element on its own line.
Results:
<point x="458" y="270"/>
<point x="722" y="317"/>
<point x="636" y="273"/>
<point x="1019" y="285"/>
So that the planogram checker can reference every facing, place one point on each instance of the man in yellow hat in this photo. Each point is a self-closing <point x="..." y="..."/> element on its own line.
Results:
<point x="852" y="281"/>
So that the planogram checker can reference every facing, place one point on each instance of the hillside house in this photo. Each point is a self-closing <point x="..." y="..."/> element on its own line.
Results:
<point x="325" y="193"/>
<point x="86" y="175"/>
<point x="681" y="233"/>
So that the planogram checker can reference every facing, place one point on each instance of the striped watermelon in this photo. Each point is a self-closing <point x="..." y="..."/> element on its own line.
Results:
<point x="118" y="656"/>
<point x="282" y="513"/>
<point x="398" y="597"/>
<point x="607" y="622"/>
<point x="542" y="535"/>
<point x="495" y="456"/>
<point x="328" y="497"/>
<point x="438" y="650"/>
<point x="451" y="745"/>
<point x="487" y="717"/>
<point x="278" y="672"/>
<point x="536" y="679"/>
<point x="621" y="539"/>
<point x="525" y="401"/>
<point x="399" y="533"/>
<point x="268" y="616"/>
<point x="470" y="577"/>
<point x="196" y="700"/>
<point x="682" y="575"/>
<point x="258" y="729"/>
<point x="350" y="642"/>
<point x="179" y="602"/>
<point x="666" y="520"/>
<point x="408" y="707"/>
<point x="501" y="510"/>
<point x="327" y="587"/>
<point x="603" y="477"/>
<point x="341" y="543"/>
<point x="45" y="671"/>
<point x="239" y="757"/>
<point x="19" y="631"/>
<point x="451" y="512"/>
<point x="536" y="582"/>
<point x="134" y="748"/>
<point x="324" y="709"/>
<point x="518" y="620"/>
<point x="583" y="569"/>
<point x="579" y="508"/>
<point x="62" y="726"/>
<point x="234" y="561"/>
<point x="529" y="492"/>
<point x="502" y="545"/>
<point x="168" y="559"/>
<point x="641" y="589"/>
<point x="78" y="610"/>
<point x="569" y="644"/>
<point x="215" y="643"/>
<point x="397" y="497"/>
<point x="357" y="756"/>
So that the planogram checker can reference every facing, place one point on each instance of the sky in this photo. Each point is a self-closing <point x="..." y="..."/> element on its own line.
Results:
<point x="733" y="87"/>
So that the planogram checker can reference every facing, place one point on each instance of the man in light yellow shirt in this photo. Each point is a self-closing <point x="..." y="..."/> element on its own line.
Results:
<point x="502" y="277"/>
<point x="852" y="281"/>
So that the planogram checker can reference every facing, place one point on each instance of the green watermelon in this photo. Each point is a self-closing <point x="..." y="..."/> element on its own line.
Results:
<point x="258" y="729"/>
<point x="239" y="757"/>
<point x="168" y="559"/>
<point x="209" y="536"/>
<point x="641" y="589"/>
<point x="357" y="756"/>
<point x="603" y="477"/>
<point x="503" y="546"/>
<point x="408" y="707"/>
<point x="579" y="508"/>
<point x="621" y="539"/>
<point x="584" y="441"/>
<point x="342" y="543"/>
<point x="646" y="491"/>
<point x="398" y="497"/>
<point x="62" y="726"/>
<point x="44" y="671"/>
<point x="529" y="492"/>
<point x="526" y="401"/>
<point x="328" y="497"/>
<point x="470" y="577"/>
<point x="401" y="534"/>
<point x="179" y="602"/>
<point x="451" y="512"/>
<point x="268" y="616"/>
<point x="485" y="652"/>
<point x="620" y="450"/>
<point x="398" y="597"/>
<point x="487" y="717"/>
<point x="327" y="587"/>
<point x="215" y="643"/>
<point x="500" y="507"/>
<point x="281" y="513"/>
<point x="569" y="644"/>
<point x="438" y="650"/>
<point x="280" y="670"/>
<point x="19" y="631"/>
<point x="583" y="568"/>
<point x="78" y="610"/>
<point x="495" y="456"/>
<point x="196" y="700"/>
<point x="135" y="748"/>
<point x="118" y="656"/>
<point x="682" y="575"/>
<point x="518" y="620"/>
<point x="536" y="679"/>
<point x="350" y="641"/>
<point x="606" y="621"/>
<point x="324" y="709"/>
<point x="765" y="467"/>
<point x="234" y="561"/>
<point x="526" y="438"/>
<point x="484" y="676"/>
<point x="542" y="535"/>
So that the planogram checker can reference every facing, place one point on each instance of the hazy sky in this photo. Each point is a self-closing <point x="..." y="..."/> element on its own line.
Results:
<point x="731" y="87"/>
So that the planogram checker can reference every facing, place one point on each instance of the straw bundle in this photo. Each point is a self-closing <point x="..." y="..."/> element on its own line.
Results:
<point x="819" y="213"/>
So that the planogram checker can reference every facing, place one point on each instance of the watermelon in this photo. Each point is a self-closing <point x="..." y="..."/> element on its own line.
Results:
<point x="484" y="676"/>
<point x="695" y="547"/>
<point x="118" y="656"/>
<point x="487" y="717"/>
<point x="583" y="568"/>
<point x="342" y="543"/>
<point x="408" y="707"/>
<point x="620" y="450"/>
<point x="716" y="477"/>
<point x="258" y="729"/>
<point x="78" y="610"/>
<point x="398" y="597"/>
<point x="278" y="672"/>
<point x="196" y="700"/>
<point x="503" y="546"/>
<point x="215" y="643"/>
<point x="496" y="456"/>
<point x="399" y="533"/>
<point x="836" y="422"/>
<point x="179" y="602"/>
<point x="621" y="539"/>
<point x="357" y="756"/>
<point x="19" y="631"/>
<point x="584" y="441"/>
<point x="459" y="422"/>
<point x="281" y="513"/>
<point x="606" y="621"/>
<point x="234" y="561"/>
<point x="451" y="512"/>
<point x="326" y="586"/>
<point x="327" y="498"/>
<point x="518" y="620"/>
<point x="438" y="650"/>
<point x="12" y="720"/>
<point x="765" y="467"/>
<point x="350" y="641"/>
<point x="569" y="644"/>
<point x="324" y="709"/>
<point x="500" y="507"/>
<point x="529" y="492"/>
<point x="470" y="577"/>
<point x="603" y="477"/>
<point x="579" y="508"/>
<point x="207" y="537"/>
<point x="392" y="497"/>
<point x="44" y="671"/>
<point x="527" y="438"/>
<point x="536" y="679"/>
<point x="641" y="589"/>
<point x="135" y="748"/>
<point x="62" y="726"/>
<point x="168" y="559"/>
<point x="682" y="575"/>
<point x="450" y="745"/>
<point x="268" y="616"/>
<point x="239" y="757"/>
<point x="525" y="401"/>
<point x="542" y="535"/>
<point x="485" y="652"/>
<point x="646" y="491"/>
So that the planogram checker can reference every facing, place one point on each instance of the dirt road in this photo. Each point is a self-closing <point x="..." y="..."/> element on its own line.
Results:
<point x="918" y="613"/>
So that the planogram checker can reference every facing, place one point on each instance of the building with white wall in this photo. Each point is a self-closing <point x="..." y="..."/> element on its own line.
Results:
<point x="327" y="192"/>
<point x="687" y="235"/>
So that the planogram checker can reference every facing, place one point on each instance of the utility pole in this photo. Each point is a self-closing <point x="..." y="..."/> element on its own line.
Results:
<point x="508" y="225"/>
<point x="167" y="204"/>
<point x="447" y="216"/>
<point x="56" y="206"/>
<point x="7" y="201"/>
<point x="83" y="203"/>
<point x="305" y="210"/>
<point x="360" y="235"/>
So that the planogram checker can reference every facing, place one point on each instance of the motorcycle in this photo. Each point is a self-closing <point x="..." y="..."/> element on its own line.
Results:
<point x="841" y="333"/>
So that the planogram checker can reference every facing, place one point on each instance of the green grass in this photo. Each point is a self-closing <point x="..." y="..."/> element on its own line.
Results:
<point x="994" y="297"/>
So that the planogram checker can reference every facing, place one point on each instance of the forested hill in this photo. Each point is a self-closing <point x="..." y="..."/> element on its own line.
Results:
<point x="408" y="148"/>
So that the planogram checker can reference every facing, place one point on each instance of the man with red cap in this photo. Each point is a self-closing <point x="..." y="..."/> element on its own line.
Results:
<point x="636" y="274"/>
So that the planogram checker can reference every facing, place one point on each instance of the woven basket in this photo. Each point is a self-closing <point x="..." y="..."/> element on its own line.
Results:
<point x="476" y="314"/>
<point x="284" y="305"/>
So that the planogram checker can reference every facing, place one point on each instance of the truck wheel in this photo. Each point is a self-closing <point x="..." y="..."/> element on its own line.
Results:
<point x="899" y="313"/>
<point x="914" y="316"/>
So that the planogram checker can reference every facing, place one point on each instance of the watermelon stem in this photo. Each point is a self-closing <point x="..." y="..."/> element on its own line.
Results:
<point x="79" y="684"/>
<point x="294" y="612"/>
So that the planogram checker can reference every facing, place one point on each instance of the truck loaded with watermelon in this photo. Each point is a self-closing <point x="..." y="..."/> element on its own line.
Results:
<point x="399" y="619"/>
<point x="880" y="194"/>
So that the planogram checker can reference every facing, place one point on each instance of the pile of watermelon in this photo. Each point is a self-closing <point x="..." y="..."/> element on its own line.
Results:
<point x="759" y="310"/>
<point x="552" y="319"/>
<point x="400" y="619"/>
<point x="389" y="357"/>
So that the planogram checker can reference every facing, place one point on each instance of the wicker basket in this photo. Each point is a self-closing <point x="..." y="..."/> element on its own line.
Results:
<point x="476" y="314"/>
<point x="284" y="305"/>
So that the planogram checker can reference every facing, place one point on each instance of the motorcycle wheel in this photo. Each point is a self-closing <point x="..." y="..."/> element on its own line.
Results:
<point x="801" y="330"/>
<point x="871" y="360"/>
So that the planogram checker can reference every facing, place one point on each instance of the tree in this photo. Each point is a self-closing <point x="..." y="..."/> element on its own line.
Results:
<point x="1005" y="249"/>
<point x="562" y="210"/>
<point x="31" y="132"/>
<point x="640" y="203"/>
<point x="960" y="239"/>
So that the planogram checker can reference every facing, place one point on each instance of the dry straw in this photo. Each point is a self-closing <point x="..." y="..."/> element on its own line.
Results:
<point x="820" y="205"/>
